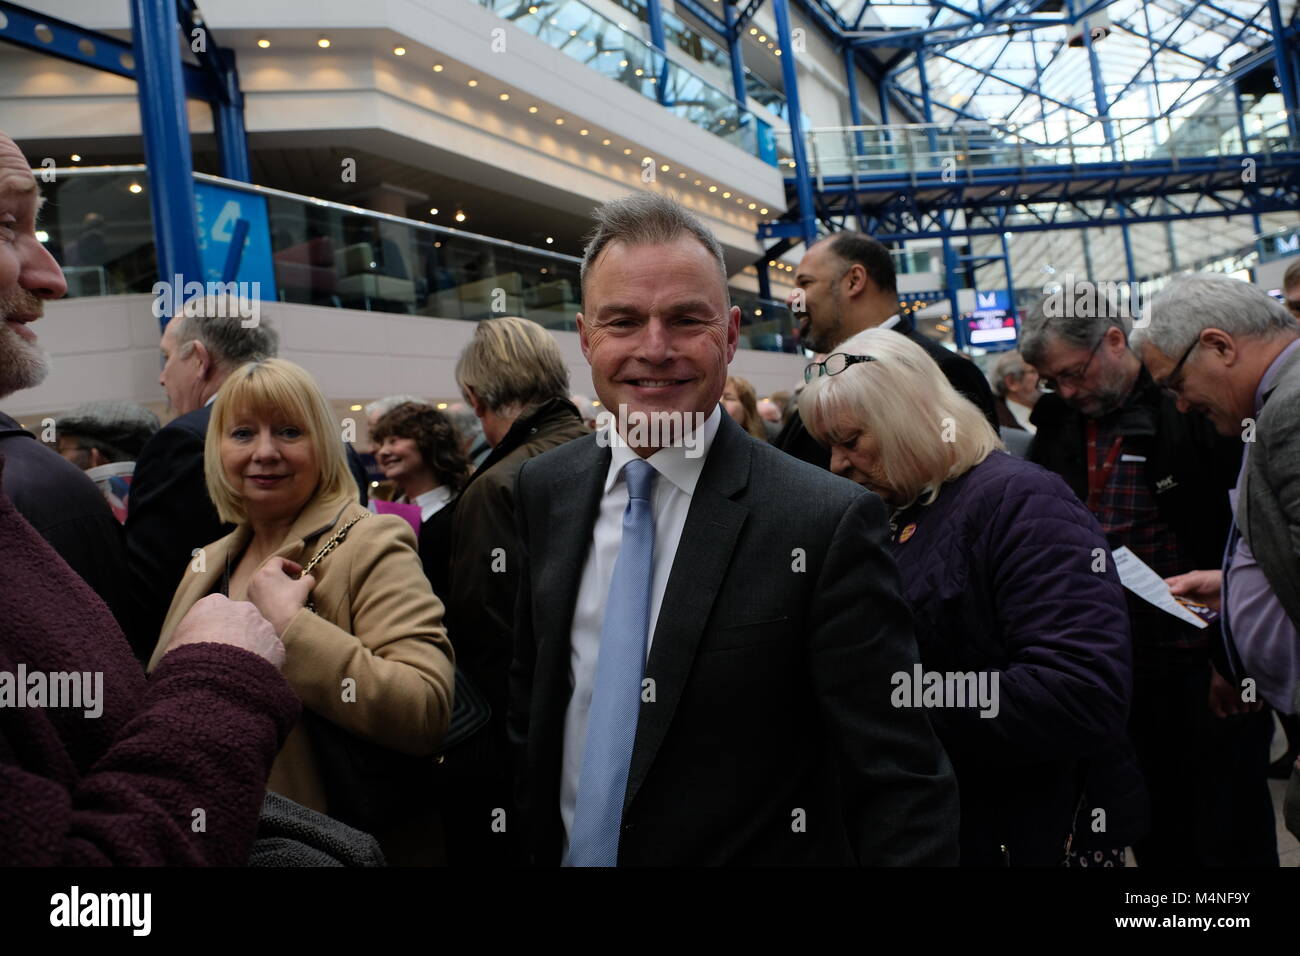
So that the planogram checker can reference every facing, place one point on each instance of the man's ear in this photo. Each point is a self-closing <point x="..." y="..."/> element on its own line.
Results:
<point x="200" y="352"/>
<point x="859" y="283"/>
<point x="582" y="338"/>
<point x="733" y="332"/>
<point x="1220" y="342"/>
<point x="474" y="401"/>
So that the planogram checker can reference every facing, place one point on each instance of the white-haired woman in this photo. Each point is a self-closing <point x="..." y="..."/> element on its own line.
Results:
<point x="1010" y="581"/>
<point x="365" y="647"/>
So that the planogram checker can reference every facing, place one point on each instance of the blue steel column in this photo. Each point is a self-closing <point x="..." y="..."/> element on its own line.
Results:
<point x="932" y="138"/>
<point x="1011" y="282"/>
<point x="658" y="39"/>
<point x="802" y="180"/>
<point x="228" y="121"/>
<point x="737" y="56"/>
<point x="1128" y="243"/>
<point x="855" y="109"/>
<point x="1099" y="89"/>
<point x="166" y="140"/>
<point x="1241" y="128"/>
<point x="1285" y="78"/>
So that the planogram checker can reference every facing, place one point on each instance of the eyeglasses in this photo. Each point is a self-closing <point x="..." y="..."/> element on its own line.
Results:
<point x="834" y="364"/>
<point x="1172" y="385"/>
<point x="1074" y="376"/>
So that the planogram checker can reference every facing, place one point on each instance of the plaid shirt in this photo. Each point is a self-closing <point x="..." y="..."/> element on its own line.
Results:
<point x="1128" y="516"/>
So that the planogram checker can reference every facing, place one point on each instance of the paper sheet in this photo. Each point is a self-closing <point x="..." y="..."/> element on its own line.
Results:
<point x="1138" y="577"/>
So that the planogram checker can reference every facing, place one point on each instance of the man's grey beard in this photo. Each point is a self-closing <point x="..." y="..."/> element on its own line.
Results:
<point x="23" y="364"/>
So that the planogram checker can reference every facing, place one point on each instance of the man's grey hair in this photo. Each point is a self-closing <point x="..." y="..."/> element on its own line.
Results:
<point x="382" y="406"/>
<point x="644" y="219"/>
<point x="1008" y="363"/>
<point x="220" y="327"/>
<point x="1189" y="304"/>
<point x="1038" y="329"/>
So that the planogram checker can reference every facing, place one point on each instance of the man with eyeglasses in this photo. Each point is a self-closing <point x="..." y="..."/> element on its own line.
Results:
<point x="1157" y="483"/>
<point x="845" y="284"/>
<point x="1239" y="364"/>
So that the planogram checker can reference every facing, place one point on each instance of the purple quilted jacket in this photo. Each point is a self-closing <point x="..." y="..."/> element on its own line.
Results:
<point x="999" y="572"/>
<point x="124" y="787"/>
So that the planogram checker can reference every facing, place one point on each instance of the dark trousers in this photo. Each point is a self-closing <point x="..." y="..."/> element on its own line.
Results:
<point x="1206" y="777"/>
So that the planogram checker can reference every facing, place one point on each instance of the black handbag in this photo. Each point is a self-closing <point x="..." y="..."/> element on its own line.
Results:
<point x="365" y="784"/>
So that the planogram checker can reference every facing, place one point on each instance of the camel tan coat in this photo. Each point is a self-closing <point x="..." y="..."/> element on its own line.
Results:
<point x="376" y="622"/>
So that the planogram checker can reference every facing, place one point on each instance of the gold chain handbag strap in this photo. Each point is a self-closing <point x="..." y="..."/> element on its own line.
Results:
<point x="329" y="546"/>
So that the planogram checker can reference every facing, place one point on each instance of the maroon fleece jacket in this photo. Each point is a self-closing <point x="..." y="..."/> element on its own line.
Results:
<point x="123" y="788"/>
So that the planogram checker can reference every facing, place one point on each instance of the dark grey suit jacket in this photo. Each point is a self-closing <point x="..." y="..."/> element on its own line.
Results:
<point x="1269" y="506"/>
<point x="771" y="738"/>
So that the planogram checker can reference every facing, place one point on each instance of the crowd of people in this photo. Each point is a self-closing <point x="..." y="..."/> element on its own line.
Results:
<point x="885" y="619"/>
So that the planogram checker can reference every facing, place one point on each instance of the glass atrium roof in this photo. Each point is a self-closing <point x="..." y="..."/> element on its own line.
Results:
<point x="1159" y="58"/>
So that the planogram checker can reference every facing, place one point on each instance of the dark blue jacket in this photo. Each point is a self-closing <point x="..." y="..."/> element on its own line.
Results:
<point x="999" y="573"/>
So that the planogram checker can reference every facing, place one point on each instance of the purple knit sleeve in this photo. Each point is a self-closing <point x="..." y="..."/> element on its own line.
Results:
<point x="183" y="782"/>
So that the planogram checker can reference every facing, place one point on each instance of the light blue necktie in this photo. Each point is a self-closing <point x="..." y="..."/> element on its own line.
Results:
<point x="616" y="695"/>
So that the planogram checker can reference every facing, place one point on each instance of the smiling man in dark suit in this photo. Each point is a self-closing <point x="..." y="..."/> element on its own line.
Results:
<point x="707" y="628"/>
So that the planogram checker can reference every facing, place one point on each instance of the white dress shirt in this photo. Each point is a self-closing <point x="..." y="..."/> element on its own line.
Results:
<point x="431" y="502"/>
<point x="675" y="480"/>
<point x="890" y="322"/>
<point x="1021" y="414"/>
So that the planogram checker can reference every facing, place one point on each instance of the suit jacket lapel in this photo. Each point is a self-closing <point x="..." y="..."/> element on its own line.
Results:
<point x="713" y="524"/>
<point x="559" y="555"/>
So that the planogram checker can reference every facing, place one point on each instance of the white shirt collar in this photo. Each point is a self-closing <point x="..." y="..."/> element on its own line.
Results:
<point x="890" y="322"/>
<point x="672" y="462"/>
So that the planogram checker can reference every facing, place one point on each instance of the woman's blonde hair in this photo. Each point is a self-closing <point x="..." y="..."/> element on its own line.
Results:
<point x="753" y="422"/>
<point x="274" y="388"/>
<point x="927" y="432"/>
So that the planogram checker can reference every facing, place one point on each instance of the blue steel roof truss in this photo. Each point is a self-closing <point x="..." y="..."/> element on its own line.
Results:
<point x="914" y="203"/>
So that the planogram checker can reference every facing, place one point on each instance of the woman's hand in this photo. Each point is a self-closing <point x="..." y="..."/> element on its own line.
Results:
<point x="278" y="592"/>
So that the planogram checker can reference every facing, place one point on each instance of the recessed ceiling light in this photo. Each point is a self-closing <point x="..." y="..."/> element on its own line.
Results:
<point x="605" y="142"/>
<point x="726" y="195"/>
<point x="473" y="83"/>
<point x="135" y="188"/>
<point x="437" y="68"/>
<point x="681" y="175"/>
<point x="42" y="235"/>
<point x="771" y="262"/>
<point x="263" y="42"/>
<point x="532" y="109"/>
<point x="550" y="240"/>
<point x="639" y="71"/>
<point x="433" y="211"/>
<point x="441" y="406"/>
<point x="505" y="97"/>
<point x="399" y="51"/>
<point x="762" y="38"/>
<point x="777" y="52"/>
<point x="460" y="216"/>
<point x="559" y="121"/>
<point x="699" y="182"/>
<point x="584" y="132"/>
<point x="323" y="43"/>
<point x="627" y="151"/>
<point x="753" y="205"/>
<point x="354" y="408"/>
<point x="713" y="189"/>
<point x="753" y="31"/>
<point x="664" y="168"/>
<point x="76" y="157"/>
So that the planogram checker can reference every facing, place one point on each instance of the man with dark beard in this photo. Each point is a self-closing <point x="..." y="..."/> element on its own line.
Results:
<point x="846" y="284"/>
<point x="53" y="494"/>
<point x="1157" y="482"/>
